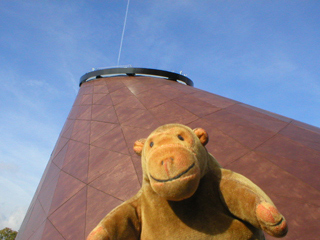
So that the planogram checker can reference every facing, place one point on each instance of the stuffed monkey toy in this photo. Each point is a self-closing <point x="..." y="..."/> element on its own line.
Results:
<point x="186" y="194"/>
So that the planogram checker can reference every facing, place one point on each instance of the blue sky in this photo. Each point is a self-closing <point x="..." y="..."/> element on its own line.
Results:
<point x="263" y="53"/>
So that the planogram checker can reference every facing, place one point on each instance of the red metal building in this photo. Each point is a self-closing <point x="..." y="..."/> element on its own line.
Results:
<point x="93" y="168"/>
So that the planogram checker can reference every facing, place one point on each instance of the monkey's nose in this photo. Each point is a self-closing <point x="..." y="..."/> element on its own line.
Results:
<point x="166" y="163"/>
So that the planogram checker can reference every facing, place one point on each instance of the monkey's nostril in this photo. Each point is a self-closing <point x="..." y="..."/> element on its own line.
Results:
<point x="171" y="158"/>
<point x="161" y="162"/>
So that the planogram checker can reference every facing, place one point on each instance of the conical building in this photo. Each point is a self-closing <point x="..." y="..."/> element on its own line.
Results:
<point x="93" y="168"/>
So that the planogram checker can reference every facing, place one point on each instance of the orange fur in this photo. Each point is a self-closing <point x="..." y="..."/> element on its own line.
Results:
<point x="185" y="194"/>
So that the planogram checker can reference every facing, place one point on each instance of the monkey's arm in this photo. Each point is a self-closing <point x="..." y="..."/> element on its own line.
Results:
<point x="248" y="202"/>
<point x="121" y="223"/>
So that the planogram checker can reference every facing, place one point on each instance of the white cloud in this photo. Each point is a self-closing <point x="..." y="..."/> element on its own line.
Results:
<point x="15" y="197"/>
<point x="13" y="219"/>
<point x="7" y="167"/>
<point x="29" y="129"/>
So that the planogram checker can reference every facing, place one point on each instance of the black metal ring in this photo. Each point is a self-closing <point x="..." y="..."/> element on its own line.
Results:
<point x="133" y="71"/>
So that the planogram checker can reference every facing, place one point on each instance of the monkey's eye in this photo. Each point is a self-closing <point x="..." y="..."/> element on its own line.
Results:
<point x="180" y="137"/>
<point x="151" y="144"/>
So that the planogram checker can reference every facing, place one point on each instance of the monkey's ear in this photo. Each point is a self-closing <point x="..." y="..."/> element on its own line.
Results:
<point x="202" y="135"/>
<point x="138" y="146"/>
